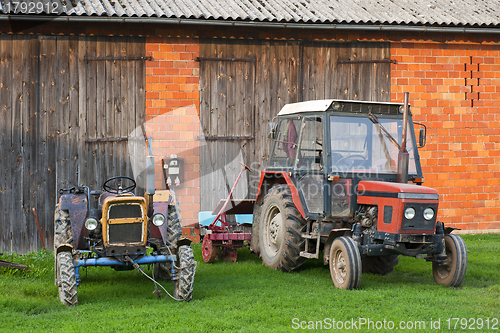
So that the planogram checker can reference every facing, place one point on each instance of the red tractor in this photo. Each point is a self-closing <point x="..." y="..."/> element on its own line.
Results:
<point x="345" y="177"/>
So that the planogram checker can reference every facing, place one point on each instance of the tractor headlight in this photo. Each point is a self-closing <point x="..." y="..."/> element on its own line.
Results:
<point x="91" y="223"/>
<point x="409" y="213"/>
<point x="158" y="219"/>
<point x="428" y="213"/>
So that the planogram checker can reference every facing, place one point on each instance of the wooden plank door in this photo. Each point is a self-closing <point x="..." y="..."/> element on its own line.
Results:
<point x="53" y="101"/>
<point x="227" y="120"/>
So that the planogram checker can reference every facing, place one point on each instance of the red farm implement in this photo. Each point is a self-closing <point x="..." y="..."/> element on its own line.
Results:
<point x="225" y="235"/>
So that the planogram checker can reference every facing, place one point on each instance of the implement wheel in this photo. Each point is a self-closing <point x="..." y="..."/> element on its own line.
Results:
<point x="66" y="279"/>
<point x="452" y="271"/>
<point x="208" y="251"/>
<point x="280" y="230"/>
<point x="183" y="286"/>
<point x="345" y="263"/>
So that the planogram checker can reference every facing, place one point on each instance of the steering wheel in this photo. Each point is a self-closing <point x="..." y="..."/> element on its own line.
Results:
<point x="118" y="189"/>
<point x="352" y="157"/>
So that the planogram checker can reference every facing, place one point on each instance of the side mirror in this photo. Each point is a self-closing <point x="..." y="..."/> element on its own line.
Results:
<point x="271" y="130"/>
<point x="422" y="135"/>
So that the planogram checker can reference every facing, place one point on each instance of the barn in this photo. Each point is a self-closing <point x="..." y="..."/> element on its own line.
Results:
<point x="83" y="82"/>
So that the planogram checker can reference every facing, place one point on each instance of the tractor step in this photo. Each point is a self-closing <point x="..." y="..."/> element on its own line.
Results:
<point x="309" y="236"/>
<point x="309" y="255"/>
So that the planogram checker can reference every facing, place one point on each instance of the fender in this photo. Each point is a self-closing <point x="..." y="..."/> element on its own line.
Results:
<point x="335" y="233"/>
<point x="64" y="248"/>
<point x="77" y="206"/>
<point x="269" y="178"/>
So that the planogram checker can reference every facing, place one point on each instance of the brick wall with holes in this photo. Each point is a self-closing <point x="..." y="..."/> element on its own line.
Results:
<point x="172" y="117"/>
<point x="455" y="90"/>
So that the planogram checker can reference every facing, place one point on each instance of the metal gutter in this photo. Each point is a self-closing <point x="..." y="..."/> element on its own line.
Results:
<point x="277" y="25"/>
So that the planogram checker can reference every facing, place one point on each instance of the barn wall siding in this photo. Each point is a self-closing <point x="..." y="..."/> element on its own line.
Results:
<point x="53" y="102"/>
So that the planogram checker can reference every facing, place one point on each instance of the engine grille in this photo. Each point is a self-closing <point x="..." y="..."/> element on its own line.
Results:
<point x="123" y="211"/>
<point x="125" y="233"/>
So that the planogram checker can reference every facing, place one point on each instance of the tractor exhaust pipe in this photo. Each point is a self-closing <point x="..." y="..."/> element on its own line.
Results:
<point x="150" y="177"/>
<point x="403" y="156"/>
<point x="150" y="183"/>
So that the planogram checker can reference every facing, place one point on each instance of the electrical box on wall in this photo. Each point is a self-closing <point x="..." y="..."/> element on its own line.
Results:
<point x="173" y="171"/>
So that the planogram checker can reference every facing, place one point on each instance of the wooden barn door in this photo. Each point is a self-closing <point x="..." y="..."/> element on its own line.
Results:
<point x="244" y="84"/>
<point x="227" y="119"/>
<point x="67" y="106"/>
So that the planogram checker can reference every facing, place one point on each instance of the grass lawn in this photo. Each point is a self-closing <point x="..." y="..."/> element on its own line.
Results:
<point x="249" y="297"/>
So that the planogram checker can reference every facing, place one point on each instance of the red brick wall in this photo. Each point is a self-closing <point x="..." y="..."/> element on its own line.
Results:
<point x="455" y="90"/>
<point x="172" y="114"/>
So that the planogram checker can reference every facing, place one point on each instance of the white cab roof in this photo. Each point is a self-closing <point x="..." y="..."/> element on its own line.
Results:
<point x="320" y="105"/>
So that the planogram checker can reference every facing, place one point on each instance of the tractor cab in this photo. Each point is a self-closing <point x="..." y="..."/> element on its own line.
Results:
<point x="330" y="146"/>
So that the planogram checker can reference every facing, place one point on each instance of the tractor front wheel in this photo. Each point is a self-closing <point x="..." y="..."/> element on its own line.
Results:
<point x="183" y="286"/>
<point x="452" y="271"/>
<point x="174" y="225"/>
<point x="174" y="233"/>
<point x="345" y="263"/>
<point x="280" y="230"/>
<point x="66" y="279"/>
<point x="63" y="234"/>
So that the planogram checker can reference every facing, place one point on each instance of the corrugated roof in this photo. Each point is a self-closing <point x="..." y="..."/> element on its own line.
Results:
<point x="398" y="12"/>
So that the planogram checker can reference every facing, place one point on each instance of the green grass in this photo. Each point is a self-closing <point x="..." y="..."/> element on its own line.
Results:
<point x="249" y="297"/>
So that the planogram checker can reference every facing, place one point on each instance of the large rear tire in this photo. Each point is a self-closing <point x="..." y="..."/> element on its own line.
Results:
<point x="67" y="279"/>
<point x="183" y="286"/>
<point x="452" y="271"/>
<point x="381" y="265"/>
<point x="280" y="227"/>
<point x="345" y="263"/>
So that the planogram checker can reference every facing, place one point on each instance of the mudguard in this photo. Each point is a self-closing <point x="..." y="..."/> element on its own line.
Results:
<point x="77" y="206"/>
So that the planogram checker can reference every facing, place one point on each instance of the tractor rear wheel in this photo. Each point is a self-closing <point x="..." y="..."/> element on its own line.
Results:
<point x="174" y="225"/>
<point x="280" y="227"/>
<point x="183" y="286"/>
<point x="381" y="265"/>
<point x="66" y="279"/>
<point x="345" y="263"/>
<point x="452" y="271"/>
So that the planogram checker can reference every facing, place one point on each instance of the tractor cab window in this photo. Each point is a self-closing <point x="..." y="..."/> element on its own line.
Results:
<point x="361" y="145"/>
<point x="310" y="156"/>
<point x="285" y="143"/>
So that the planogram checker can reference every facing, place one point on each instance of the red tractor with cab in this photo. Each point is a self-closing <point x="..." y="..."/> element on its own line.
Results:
<point x="344" y="177"/>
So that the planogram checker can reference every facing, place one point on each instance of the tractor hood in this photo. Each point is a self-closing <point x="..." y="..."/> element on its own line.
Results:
<point x="396" y="190"/>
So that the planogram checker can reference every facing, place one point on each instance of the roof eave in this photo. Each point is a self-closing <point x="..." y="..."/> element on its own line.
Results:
<point x="260" y="24"/>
